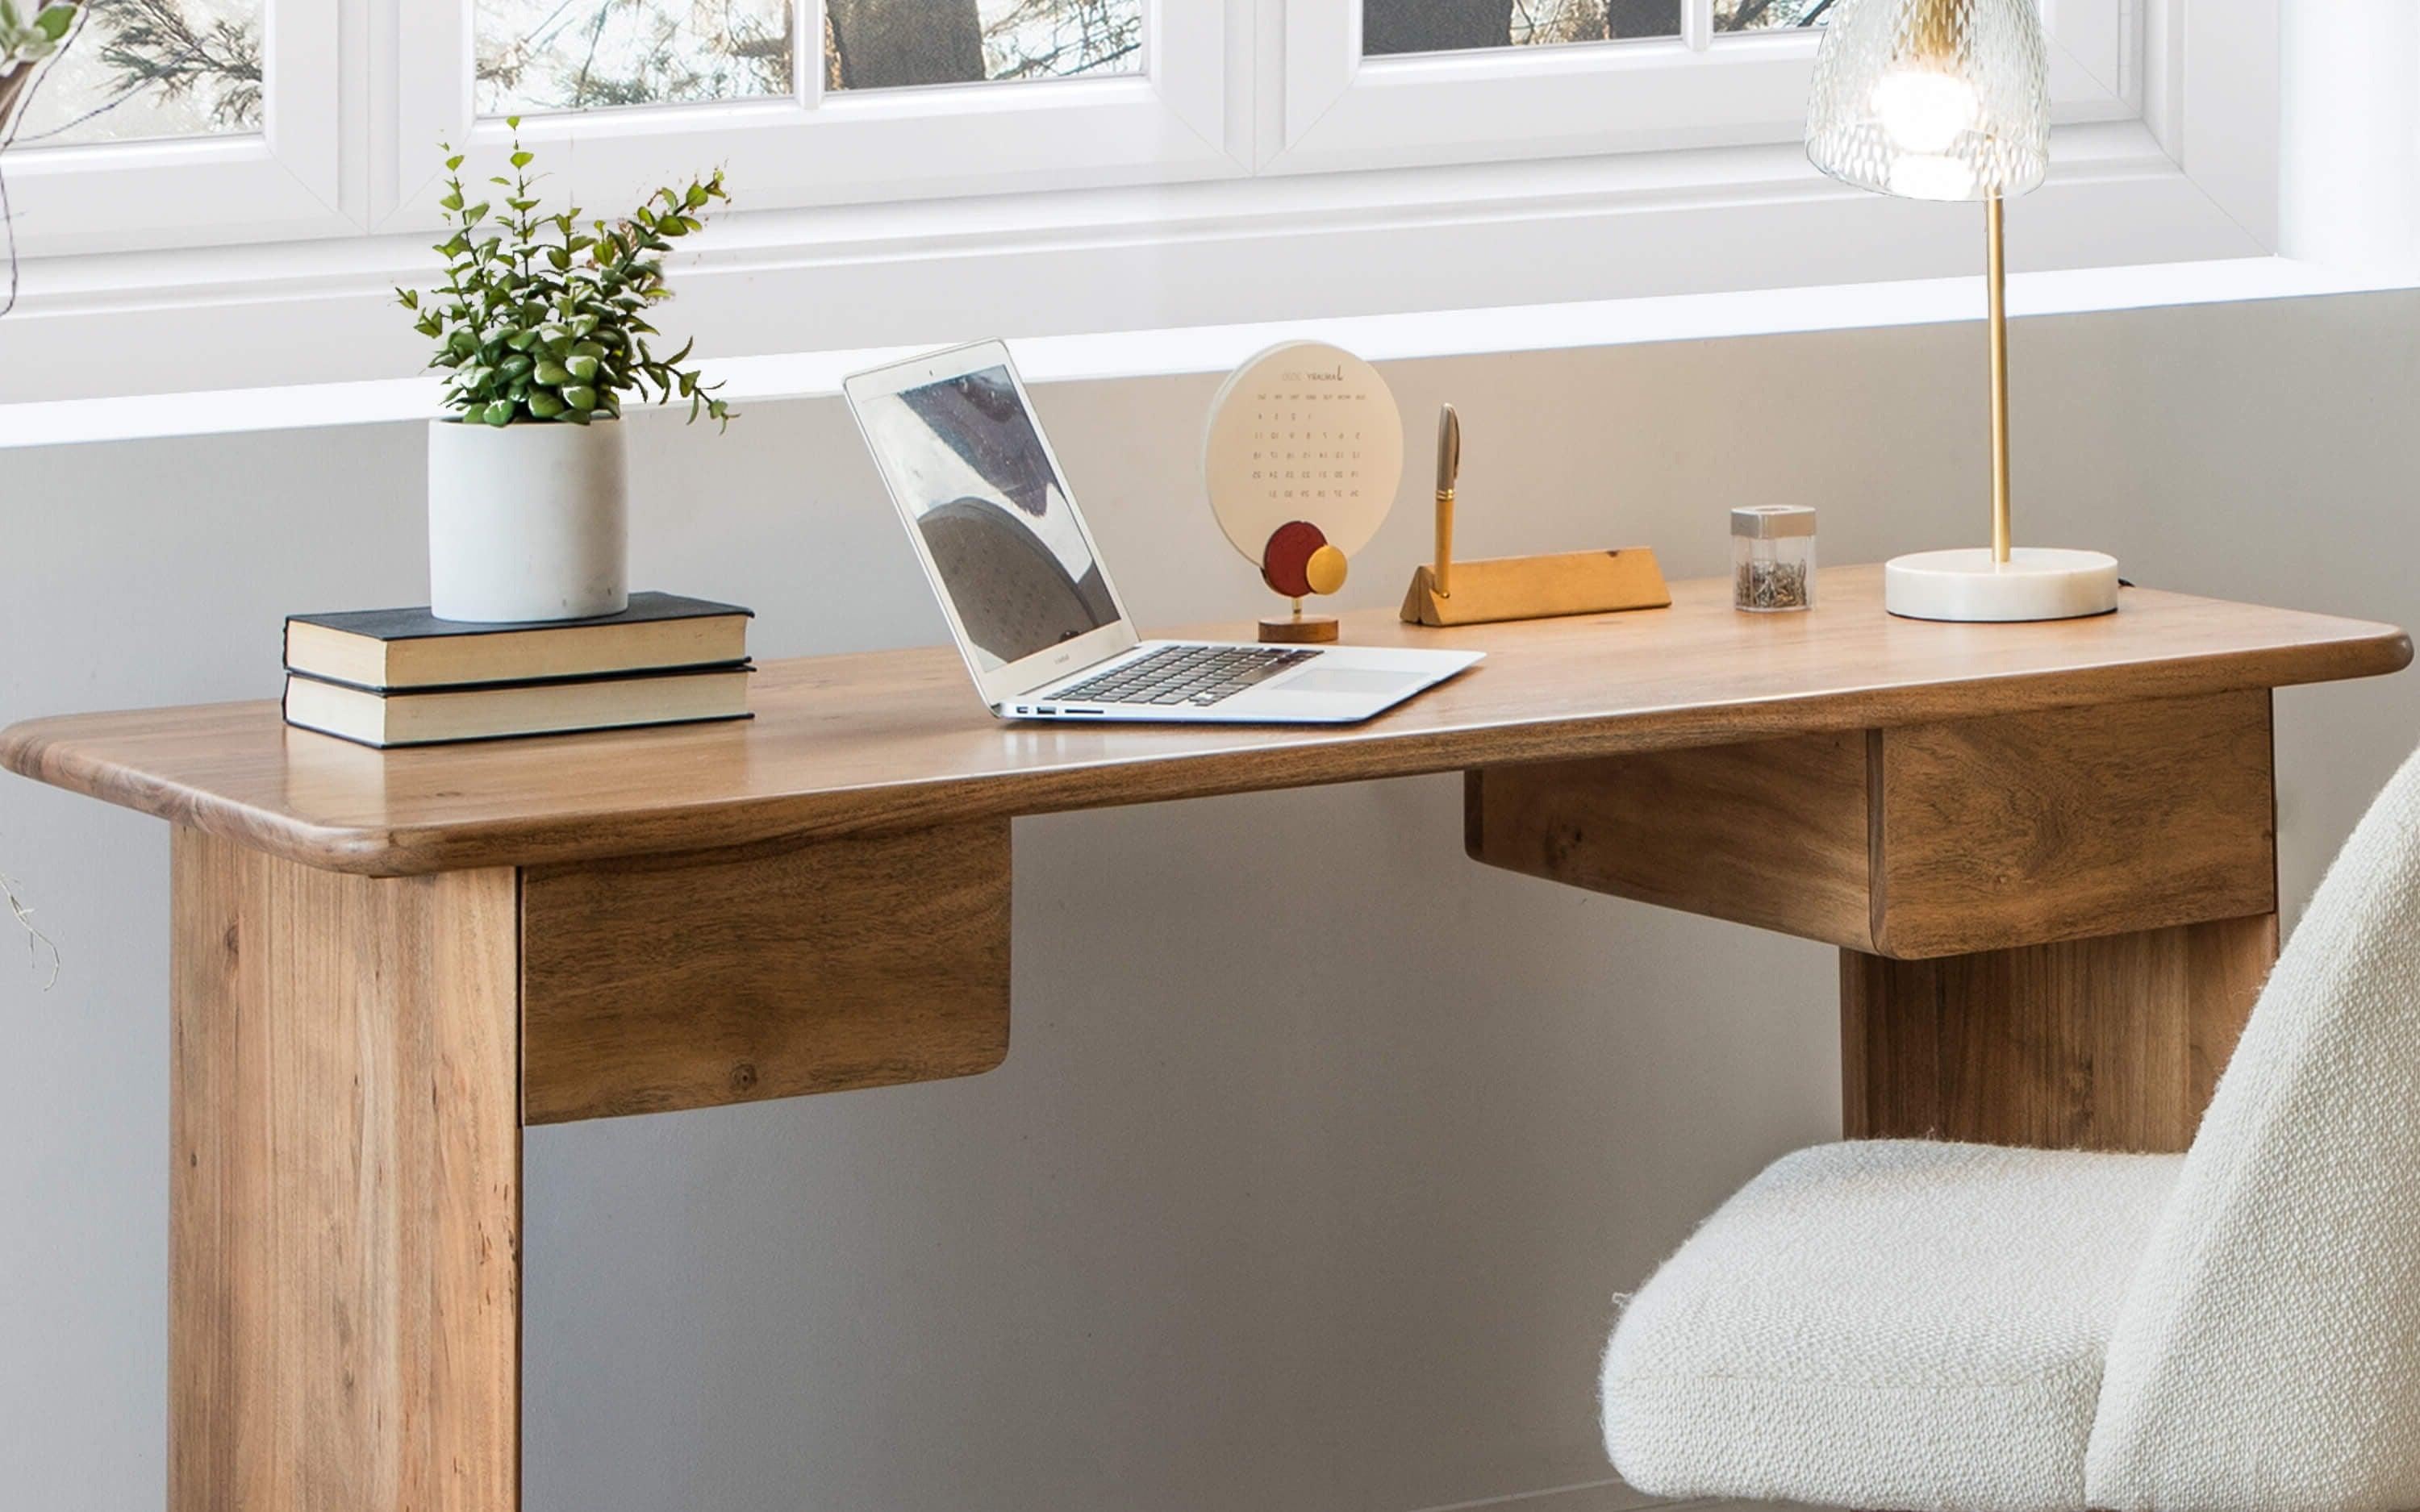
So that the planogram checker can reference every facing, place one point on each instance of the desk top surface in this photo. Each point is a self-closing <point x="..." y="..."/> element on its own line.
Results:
<point x="895" y="740"/>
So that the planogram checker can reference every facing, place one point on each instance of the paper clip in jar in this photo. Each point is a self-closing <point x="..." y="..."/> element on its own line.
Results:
<point x="1772" y="558"/>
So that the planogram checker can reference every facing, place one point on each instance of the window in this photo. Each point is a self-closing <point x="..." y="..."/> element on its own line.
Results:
<point x="146" y="69"/>
<point x="1391" y="27"/>
<point x="1769" y="15"/>
<point x="892" y="44"/>
<point x="915" y="170"/>
<point x="533" y="55"/>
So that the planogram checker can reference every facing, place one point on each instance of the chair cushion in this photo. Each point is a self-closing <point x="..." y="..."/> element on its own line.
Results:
<point x="1885" y="1324"/>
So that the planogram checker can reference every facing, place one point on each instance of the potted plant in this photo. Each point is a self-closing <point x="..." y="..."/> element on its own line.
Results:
<point x="541" y="326"/>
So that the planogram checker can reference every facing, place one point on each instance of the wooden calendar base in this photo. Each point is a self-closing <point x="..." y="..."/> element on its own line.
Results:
<point x="1298" y="629"/>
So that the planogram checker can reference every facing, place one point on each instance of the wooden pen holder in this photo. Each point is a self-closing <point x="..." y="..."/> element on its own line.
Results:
<point x="1537" y="588"/>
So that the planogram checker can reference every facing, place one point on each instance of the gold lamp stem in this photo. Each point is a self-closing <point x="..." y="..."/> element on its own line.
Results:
<point x="1998" y="280"/>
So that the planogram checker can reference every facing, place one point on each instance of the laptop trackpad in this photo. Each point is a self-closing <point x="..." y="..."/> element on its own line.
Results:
<point x="1347" y="680"/>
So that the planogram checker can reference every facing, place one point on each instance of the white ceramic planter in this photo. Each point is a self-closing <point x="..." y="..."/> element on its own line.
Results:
<point x="527" y="521"/>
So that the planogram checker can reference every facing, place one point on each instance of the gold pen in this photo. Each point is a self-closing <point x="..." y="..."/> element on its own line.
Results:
<point x="1448" y="469"/>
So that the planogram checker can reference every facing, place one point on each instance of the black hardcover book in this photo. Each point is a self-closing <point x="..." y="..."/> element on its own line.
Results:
<point x="388" y="649"/>
<point x="497" y="711"/>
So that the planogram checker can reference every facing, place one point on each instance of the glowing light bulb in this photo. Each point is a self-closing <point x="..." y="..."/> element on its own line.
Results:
<point x="1922" y="110"/>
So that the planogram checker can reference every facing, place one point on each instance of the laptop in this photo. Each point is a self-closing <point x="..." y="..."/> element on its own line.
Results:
<point x="1027" y="596"/>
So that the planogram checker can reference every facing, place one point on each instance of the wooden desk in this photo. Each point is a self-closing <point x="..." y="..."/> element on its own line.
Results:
<point x="2046" y="851"/>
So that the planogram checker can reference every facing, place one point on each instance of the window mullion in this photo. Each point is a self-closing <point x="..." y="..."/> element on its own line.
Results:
<point x="1698" y="24"/>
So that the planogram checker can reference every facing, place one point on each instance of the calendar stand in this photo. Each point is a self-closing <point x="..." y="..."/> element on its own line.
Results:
<point x="1298" y="629"/>
<point x="1301" y="457"/>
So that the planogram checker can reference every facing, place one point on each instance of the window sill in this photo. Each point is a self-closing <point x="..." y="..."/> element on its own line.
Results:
<point x="1193" y="349"/>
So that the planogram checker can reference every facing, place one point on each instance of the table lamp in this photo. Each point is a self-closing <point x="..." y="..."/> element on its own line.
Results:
<point x="1949" y="100"/>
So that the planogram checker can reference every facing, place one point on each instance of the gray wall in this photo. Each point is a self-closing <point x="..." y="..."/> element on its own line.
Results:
<point x="1322" y="1151"/>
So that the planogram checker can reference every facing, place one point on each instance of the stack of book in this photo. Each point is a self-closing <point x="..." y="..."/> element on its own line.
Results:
<point x="404" y="677"/>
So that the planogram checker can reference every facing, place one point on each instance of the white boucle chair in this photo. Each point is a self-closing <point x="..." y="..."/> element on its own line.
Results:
<point x="1910" y="1324"/>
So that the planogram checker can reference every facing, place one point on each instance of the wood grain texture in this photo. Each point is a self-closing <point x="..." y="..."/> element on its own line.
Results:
<point x="692" y="980"/>
<point x="2114" y="1042"/>
<point x="897" y="741"/>
<point x="1922" y="841"/>
<point x="1772" y="833"/>
<point x="1527" y="588"/>
<point x="2073" y="822"/>
<point x="344" y="1297"/>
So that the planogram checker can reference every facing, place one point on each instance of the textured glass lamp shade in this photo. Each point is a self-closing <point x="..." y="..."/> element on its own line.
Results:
<point x="1933" y="98"/>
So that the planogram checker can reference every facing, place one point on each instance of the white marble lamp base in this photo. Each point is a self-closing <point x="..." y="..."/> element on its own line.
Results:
<point x="2035" y="584"/>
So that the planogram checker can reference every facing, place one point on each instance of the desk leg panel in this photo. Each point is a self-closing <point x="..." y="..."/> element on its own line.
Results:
<point x="345" y="1191"/>
<point x="2114" y="1042"/>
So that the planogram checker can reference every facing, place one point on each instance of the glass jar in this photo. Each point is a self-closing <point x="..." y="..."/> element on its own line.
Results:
<point x="1772" y="558"/>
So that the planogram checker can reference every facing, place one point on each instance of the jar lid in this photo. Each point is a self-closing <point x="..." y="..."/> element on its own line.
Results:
<point x="1764" y="522"/>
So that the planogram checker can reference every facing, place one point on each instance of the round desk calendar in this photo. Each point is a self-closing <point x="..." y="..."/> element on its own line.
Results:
<point x="1301" y="455"/>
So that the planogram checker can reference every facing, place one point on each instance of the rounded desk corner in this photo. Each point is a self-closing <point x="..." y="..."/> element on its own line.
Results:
<point x="2400" y="650"/>
<point x="25" y="745"/>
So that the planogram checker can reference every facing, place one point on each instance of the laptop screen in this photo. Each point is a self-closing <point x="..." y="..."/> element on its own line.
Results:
<point x="963" y="457"/>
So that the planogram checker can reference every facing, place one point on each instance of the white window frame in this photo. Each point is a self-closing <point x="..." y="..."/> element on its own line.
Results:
<point x="1262" y="171"/>
<point x="282" y="182"/>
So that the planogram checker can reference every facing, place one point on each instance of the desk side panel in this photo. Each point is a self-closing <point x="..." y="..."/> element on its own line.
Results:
<point x="651" y="983"/>
<point x="2010" y="832"/>
<point x="1772" y="833"/>
<point x="1922" y="841"/>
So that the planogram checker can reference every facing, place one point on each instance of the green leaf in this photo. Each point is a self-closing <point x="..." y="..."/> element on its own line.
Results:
<point x="523" y="159"/>
<point x="499" y="412"/>
<point x="55" y="21"/>
<point x="454" y="164"/>
<point x="580" y="397"/>
<point x="452" y="202"/>
<point x="558" y="257"/>
<point x="582" y="368"/>
<point x="552" y="373"/>
<point x="577" y="417"/>
<point x="543" y="404"/>
<point x="514" y="367"/>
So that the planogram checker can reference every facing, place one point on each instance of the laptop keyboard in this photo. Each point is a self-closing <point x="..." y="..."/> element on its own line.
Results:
<point x="1190" y="676"/>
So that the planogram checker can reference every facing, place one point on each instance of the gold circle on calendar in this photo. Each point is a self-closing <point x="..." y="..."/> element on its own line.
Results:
<point x="1303" y="431"/>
